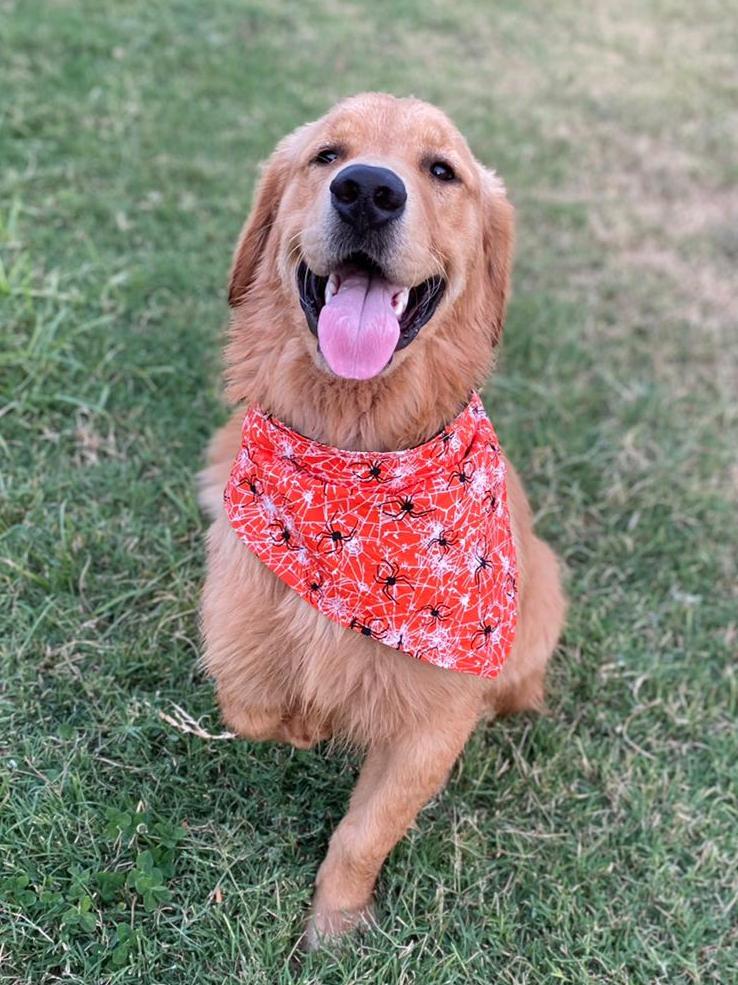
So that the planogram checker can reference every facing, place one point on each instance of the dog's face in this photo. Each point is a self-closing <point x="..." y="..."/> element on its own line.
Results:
<point x="381" y="227"/>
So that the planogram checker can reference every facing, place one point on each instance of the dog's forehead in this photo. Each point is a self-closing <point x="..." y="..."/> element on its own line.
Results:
<point x="386" y="124"/>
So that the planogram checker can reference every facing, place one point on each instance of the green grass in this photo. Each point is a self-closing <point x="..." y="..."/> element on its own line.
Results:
<point x="596" y="844"/>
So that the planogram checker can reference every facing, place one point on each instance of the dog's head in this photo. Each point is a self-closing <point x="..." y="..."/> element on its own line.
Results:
<point x="374" y="236"/>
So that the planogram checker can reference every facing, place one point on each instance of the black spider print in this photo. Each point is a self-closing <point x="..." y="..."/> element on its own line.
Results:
<point x="253" y="484"/>
<point x="445" y="438"/>
<point x="444" y="541"/>
<point x="282" y="536"/>
<point x="480" y="639"/>
<point x="403" y="506"/>
<point x="294" y="462"/>
<point x="273" y="422"/>
<point x="315" y="586"/>
<point x="490" y="500"/>
<point x="436" y="612"/>
<point x="248" y="453"/>
<point x="463" y="475"/>
<point x="429" y="653"/>
<point x="511" y="587"/>
<point x="331" y="540"/>
<point x="373" y="472"/>
<point x="484" y="563"/>
<point x="389" y="577"/>
<point x="366" y="627"/>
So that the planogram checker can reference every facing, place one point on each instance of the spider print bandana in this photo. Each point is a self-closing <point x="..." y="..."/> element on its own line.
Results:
<point x="412" y="548"/>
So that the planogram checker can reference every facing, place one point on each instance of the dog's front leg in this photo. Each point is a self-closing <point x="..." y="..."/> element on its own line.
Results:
<point x="397" y="779"/>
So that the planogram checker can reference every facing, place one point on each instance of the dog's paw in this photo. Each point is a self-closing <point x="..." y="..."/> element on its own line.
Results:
<point x="301" y="733"/>
<point x="325" y="926"/>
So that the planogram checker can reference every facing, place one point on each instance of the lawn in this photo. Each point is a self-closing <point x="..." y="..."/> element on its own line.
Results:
<point x="597" y="843"/>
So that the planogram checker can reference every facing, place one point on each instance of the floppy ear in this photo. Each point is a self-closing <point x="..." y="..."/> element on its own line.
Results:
<point x="255" y="232"/>
<point x="498" y="233"/>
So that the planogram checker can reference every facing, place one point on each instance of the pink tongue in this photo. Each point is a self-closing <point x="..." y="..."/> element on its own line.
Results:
<point x="357" y="329"/>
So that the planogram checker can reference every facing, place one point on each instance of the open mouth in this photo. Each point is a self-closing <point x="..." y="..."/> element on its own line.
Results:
<point x="360" y="318"/>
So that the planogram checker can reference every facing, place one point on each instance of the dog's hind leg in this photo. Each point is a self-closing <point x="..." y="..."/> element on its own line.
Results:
<point x="520" y="686"/>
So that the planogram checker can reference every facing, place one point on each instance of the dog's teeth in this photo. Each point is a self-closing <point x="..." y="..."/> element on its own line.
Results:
<point x="331" y="287"/>
<point x="399" y="301"/>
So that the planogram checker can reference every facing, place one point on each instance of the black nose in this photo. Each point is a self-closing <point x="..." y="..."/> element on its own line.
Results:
<point x="367" y="197"/>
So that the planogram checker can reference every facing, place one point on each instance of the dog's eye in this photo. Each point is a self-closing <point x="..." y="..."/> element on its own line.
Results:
<point x="442" y="171"/>
<point x="326" y="156"/>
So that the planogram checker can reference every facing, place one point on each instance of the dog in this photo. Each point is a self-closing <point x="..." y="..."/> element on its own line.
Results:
<point x="386" y="191"/>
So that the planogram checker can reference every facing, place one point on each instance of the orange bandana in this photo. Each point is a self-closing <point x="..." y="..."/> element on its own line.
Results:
<point x="412" y="548"/>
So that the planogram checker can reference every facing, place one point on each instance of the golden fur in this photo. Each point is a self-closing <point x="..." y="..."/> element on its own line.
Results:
<point x="282" y="670"/>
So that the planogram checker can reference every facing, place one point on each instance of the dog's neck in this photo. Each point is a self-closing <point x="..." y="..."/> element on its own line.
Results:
<point x="362" y="417"/>
<point x="402" y="408"/>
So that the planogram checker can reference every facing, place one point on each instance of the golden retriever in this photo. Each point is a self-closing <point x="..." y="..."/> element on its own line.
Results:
<point x="284" y="671"/>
